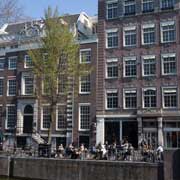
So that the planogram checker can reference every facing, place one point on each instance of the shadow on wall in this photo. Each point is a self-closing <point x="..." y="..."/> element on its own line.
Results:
<point x="176" y="165"/>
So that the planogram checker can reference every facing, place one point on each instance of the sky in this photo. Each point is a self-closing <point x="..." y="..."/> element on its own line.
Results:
<point x="35" y="8"/>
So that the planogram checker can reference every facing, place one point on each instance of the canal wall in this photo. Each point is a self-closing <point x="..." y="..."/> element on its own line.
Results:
<point x="53" y="169"/>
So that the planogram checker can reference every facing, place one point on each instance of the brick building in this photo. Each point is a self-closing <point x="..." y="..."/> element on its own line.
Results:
<point x="23" y="119"/>
<point x="138" y="72"/>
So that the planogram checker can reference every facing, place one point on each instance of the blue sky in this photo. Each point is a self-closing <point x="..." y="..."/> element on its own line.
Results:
<point x="35" y="8"/>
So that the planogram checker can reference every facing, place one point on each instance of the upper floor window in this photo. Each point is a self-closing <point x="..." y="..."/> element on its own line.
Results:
<point x="149" y="65"/>
<point x="149" y="98"/>
<point x="112" y="68"/>
<point x="130" y="36"/>
<point x="112" y="10"/>
<point x="28" y="61"/>
<point x="167" y="4"/>
<point x="85" y="84"/>
<point x="12" y="63"/>
<point x="11" y="116"/>
<point x="130" y="69"/>
<point x="129" y="7"/>
<point x="148" y="5"/>
<point x="130" y="99"/>
<point x="168" y="32"/>
<point x="46" y="117"/>
<point x="11" y="87"/>
<point x="85" y="55"/>
<point x="84" y="116"/>
<point x="1" y="86"/>
<point x="169" y="97"/>
<point x="61" y="117"/>
<point x="2" y="63"/>
<point x="62" y="81"/>
<point x="27" y="84"/>
<point x="112" y="99"/>
<point x="112" y="38"/>
<point x="148" y="33"/>
<point x="169" y="66"/>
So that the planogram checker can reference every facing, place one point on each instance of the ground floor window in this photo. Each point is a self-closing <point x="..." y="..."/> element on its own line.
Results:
<point x="46" y="117"/>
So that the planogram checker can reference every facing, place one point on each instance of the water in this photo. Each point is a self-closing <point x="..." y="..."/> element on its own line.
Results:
<point x="2" y="178"/>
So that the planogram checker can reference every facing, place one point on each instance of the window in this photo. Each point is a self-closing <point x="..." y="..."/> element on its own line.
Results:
<point x="85" y="55"/>
<point x="112" y="10"/>
<point x="148" y="5"/>
<point x="130" y="36"/>
<point x="172" y="134"/>
<point x="85" y="84"/>
<point x="129" y="7"/>
<point x="2" y="63"/>
<point x="148" y="33"/>
<point x="27" y="83"/>
<point x="11" y="87"/>
<point x="169" y="64"/>
<point x="130" y="67"/>
<point x="61" y="117"/>
<point x="130" y="98"/>
<point x="1" y="86"/>
<point x="169" y="97"/>
<point x="1" y="117"/>
<point x="112" y="99"/>
<point x="149" y="65"/>
<point x="62" y="84"/>
<point x="28" y="61"/>
<point x="112" y="38"/>
<point x="149" y="99"/>
<point x="112" y="68"/>
<point x="11" y="116"/>
<point x="84" y="115"/>
<point x="46" y="90"/>
<point x="167" y="4"/>
<point x="12" y="63"/>
<point x="168" y="32"/>
<point x="46" y="117"/>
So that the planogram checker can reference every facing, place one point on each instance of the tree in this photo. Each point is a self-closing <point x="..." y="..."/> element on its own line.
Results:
<point x="56" y="63"/>
<point x="10" y="11"/>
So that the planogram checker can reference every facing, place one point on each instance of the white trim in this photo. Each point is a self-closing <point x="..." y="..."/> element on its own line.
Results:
<point x="88" y="92"/>
<point x="110" y="60"/>
<point x="25" y="65"/>
<point x="3" y="58"/>
<point x="144" y="26"/>
<point x="166" y="55"/>
<point x="149" y="57"/>
<point x="84" y="50"/>
<point x="111" y="1"/>
<point x="168" y="23"/>
<point x="129" y="28"/>
<point x="9" y="58"/>
<point x="112" y="30"/>
<point x="41" y="111"/>
<point x="59" y="104"/>
<point x="11" y="78"/>
<point x="6" y="119"/>
<point x="117" y="116"/>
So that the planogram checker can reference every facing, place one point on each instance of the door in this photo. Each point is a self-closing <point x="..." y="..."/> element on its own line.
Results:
<point x="28" y="119"/>
<point x="112" y="132"/>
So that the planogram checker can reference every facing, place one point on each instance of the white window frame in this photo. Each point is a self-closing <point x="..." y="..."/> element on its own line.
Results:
<point x="142" y="3"/>
<point x="110" y="2"/>
<point x="144" y="58"/>
<point x="59" y="129"/>
<point x="114" y="30"/>
<point x="25" y="62"/>
<point x="23" y="83"/>
<point x="79" y="124"/>
<point x="167" y="23"/>
<point x="112" y="61"/>
<point x="134" y="90"/>
<point x="43" y="105"/>
<point x="143" y="102"/>
<point x="111" y="91"/>
<point x="124" y="4"/>
<point x="1" y="69"/>
<point x="132" y="58"/>
<point x="11" y="78"/>
<point x="84" y="92"/>
<point x="162" y="63"/>
<point x="146" y="26"/>
<point x="129" y="28"/>
<point x="80" y="56"/>
<point x="169" y="88"/>
<point x="3" y="86"/>
<point x="9" y="59"/>
<point x="6" y="123"/>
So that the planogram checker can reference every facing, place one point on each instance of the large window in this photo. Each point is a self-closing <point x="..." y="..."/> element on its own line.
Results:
<point x="46" y="117"/>
<point x="112" y="38"/>
<point x="149" y="99"/>
<point x="1" y="86"/>
<point x="28" y="61"/>
<point x="130" y="69"/>
<point x="85" y="84"/>
<point x="11" y="87"/>
<point x="170" y="97"/>
<point x="167" y="4"/>
<point x="28" y="85"/>
<point x="1" y="117"/>
<point x="129" y="36"/>
<point x="129" y="7"/>
<point x="169" y="66"/>
<point x="112" y="68"/>
<point x="112" y="10"/>
<point x="84" y="116"/>
<point x="172" y="134"/>
<point x="147" y="5"/>
<point x="61" y="117"/>
<point x="149" y="65"/>
<point x="2" y="63"/>
<point x="11" y="116"/>
<point x="62" y="83"/>
<point x="85" y="55"/>
<point x="148" y="32"/>
<point x="12" y="63"/>
<point x="130" y="99"/>
<point x="112" y="99"/>
<point x="168" y="32"/>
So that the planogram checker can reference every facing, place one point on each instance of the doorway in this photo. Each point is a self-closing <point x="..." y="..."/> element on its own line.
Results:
<point x="28" y="119"/>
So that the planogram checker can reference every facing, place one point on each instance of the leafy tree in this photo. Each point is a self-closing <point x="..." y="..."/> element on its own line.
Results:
<point x="56" y="63"/>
